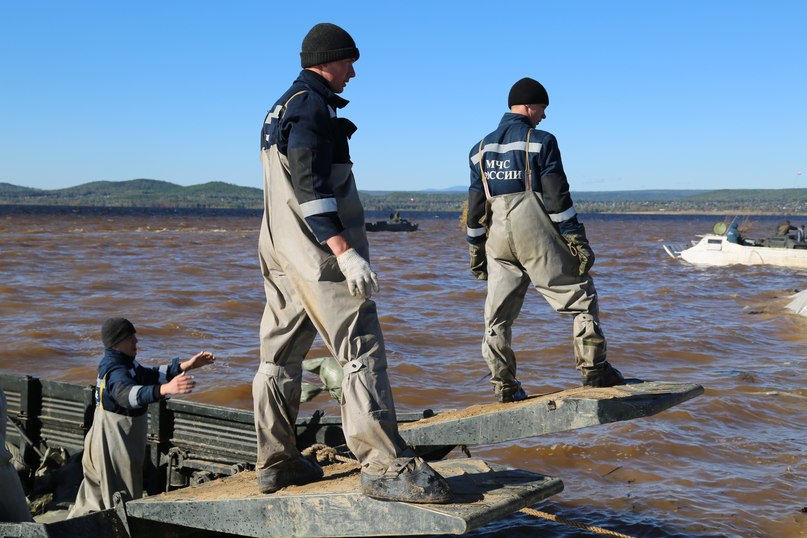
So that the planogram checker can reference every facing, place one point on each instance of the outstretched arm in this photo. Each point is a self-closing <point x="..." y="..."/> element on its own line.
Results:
<point x="181" y="384"/>
<point x="202" y="358"/>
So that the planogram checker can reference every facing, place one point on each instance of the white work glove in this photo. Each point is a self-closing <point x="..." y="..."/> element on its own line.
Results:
<point x="360" y="278"/>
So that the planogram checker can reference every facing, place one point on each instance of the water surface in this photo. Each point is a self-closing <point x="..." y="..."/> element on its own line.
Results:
<point x="732" y="462"/>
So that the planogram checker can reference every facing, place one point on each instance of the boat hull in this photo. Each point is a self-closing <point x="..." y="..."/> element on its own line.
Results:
<point x="384" y="226"/>
<point x="716" y="250"/>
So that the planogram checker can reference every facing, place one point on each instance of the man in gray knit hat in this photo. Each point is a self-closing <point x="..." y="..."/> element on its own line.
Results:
<point x="315" y="262"/>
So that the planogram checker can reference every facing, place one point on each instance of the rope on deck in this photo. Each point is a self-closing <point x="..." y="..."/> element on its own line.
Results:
<point x="557" y="519"/>
<point x="325" y="454"/>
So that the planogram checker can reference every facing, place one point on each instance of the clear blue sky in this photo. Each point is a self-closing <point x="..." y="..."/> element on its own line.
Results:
<point x="704" y="94"/>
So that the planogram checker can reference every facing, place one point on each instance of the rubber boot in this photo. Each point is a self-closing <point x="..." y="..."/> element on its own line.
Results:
<point x="295" y="472"/>
<point x="607" y="376"/>
<point x="408" y="480"/>
<point x="507" y="395"/>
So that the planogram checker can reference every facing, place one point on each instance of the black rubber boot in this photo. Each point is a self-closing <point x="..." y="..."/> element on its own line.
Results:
<point x="603" y="377"/>
<point x="510" y="395"/>
<point x="294" y="472"/>
<point x="409" y="480"/>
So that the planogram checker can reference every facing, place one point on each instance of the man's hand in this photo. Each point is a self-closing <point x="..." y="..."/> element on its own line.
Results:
<point x="479" y="261"/>
<point x="181" y="384"/>
<point x="361" y="280"/>
<point x="579" y="246"/>
<point x="197" y="361"/>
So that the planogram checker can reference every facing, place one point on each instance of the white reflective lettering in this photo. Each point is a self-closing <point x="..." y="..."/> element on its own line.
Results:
<point x="505" y="174"/>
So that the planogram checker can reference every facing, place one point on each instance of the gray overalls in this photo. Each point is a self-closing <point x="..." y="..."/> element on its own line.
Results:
<point x="523" y="247"/>
<point x="306" y="294"/>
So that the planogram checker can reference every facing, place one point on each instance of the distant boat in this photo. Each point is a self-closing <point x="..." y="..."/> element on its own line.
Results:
<point x="716" y="249"/>
<point x="394" y="224"/>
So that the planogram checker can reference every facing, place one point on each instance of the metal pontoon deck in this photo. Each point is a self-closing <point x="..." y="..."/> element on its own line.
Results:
<point x="196" y="442"/>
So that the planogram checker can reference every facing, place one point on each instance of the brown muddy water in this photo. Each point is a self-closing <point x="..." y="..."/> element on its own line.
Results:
<point x="732" y="462"/>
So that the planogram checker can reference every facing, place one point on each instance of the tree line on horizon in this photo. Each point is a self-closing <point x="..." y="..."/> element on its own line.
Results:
<point x="147" y="193"/>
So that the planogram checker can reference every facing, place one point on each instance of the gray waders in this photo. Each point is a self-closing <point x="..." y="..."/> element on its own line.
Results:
<point x="114" y="450"/>
<point x="524" y="247"/>
<point x="13" y="505"/>
<point x="306" y="295"/>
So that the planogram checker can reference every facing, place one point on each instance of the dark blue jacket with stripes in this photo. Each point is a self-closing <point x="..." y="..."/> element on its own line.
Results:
<point x="126" y="387"/>
<point x="502" y="155"/>
<point x="305" y="129"/>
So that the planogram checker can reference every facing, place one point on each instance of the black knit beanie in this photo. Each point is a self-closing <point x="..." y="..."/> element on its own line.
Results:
<point x="527" y="92"/>
<point x="116" y="329"/>
<point x="325" y="43"/>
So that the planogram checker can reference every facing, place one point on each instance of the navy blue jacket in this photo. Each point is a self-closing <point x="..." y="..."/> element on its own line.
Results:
<point x="503" y="157"/>
<point x="127" y="388"/>
<point x="306" y="130"/>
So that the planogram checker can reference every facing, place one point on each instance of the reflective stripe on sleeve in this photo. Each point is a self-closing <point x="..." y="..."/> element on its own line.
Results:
<point x="475" y="232"/>
<point x="133" y="395"/>
<point x="163" y="373"/>
<point x="566" y="215"/>
<point x="317" y="207"/>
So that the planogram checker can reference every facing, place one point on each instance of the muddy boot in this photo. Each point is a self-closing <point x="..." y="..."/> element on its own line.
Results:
<point x="607" y="376"/>
<point x="408" y="480"/>
<point x="294" y="472"/>
<point x="507" y="395"/>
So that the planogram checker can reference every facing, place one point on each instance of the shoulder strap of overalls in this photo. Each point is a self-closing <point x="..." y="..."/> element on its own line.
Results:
<point x="286" y="104"/>
<point x="482" y="170"/>
<point x="528" y="177"/>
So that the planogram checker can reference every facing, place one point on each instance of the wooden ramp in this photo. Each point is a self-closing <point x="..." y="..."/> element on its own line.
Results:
<point x="547" y="413"/>
<point x="334" y="506"/>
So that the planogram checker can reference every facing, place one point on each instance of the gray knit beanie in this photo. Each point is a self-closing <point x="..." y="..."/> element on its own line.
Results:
<point x="325" y="43"/>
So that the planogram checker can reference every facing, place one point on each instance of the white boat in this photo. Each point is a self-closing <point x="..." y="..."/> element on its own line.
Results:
<point x="799" y="303"/>
<point x="716" y="249"/>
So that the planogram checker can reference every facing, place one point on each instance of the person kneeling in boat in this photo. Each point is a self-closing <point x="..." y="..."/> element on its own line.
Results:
<point x="115" y="446"/>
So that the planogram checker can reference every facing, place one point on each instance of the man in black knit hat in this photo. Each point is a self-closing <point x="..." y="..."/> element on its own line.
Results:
<point x="315" y="262"/>
<point x="115" y="446"/>
<point x="522" y="228"/>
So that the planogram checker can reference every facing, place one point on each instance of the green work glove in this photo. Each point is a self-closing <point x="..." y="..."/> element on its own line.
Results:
<point x="479" y="261"/>
<point x="578" y="245"/>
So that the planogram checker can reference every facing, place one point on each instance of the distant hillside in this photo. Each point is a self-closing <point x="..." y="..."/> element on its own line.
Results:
<point x="659" y="195"/>
<point x="154" y="193"/>
<point x="136" y="193"/>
